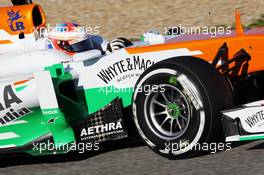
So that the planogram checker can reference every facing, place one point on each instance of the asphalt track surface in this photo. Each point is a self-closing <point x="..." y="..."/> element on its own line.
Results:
<point x="247" y="158"/>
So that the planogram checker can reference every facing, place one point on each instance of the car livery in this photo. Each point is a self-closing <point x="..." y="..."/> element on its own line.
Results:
<point x="185" y="91"/>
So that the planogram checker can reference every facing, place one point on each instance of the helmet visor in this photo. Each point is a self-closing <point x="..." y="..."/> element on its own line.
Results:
<point x="82" y="46"/>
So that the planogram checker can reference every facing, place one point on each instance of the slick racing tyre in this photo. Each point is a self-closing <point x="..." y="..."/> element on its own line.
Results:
<point x="177" y="104"/>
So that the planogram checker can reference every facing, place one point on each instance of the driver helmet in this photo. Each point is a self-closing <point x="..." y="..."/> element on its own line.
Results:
<point x="70" y="38"/>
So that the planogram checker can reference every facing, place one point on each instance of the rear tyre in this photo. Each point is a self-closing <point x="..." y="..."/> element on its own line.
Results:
<point x="177" y="104"/>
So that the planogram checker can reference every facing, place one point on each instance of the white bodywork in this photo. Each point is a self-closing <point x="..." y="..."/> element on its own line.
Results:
<point x="251" y="116"/>
<point x="119" y="69"/>
<point x="25" y="63"/>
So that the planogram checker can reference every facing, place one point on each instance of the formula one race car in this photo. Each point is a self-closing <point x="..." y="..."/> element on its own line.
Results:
<point x="187" y="91"/>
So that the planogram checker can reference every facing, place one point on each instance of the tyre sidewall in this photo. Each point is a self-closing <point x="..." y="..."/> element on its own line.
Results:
<point x="199" y="126"/>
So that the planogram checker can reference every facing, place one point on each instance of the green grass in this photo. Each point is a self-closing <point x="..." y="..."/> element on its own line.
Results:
<point x="257" y="23"/>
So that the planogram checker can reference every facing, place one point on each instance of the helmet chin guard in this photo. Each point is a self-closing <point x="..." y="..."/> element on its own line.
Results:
<point x="70" y="37"/>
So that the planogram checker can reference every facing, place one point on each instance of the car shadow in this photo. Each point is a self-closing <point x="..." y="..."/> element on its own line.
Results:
<point x="24" y="159"/>
<point x="10" y="160"/>
<point x="258" y="146"/>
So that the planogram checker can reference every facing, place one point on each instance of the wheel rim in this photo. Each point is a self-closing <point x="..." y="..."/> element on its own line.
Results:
<point x="169" y="112"/>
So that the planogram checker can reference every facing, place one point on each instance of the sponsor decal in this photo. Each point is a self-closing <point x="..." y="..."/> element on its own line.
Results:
<point x="173" y="80"/>
<point x="13" y="22"/>
<point x="52" y="120"/>
<point x="105" y="125"/>
<point x="10" y="98"/>
<point x="255" y="119"/>
<point x="13" y="115"/>
<point x="107" y="129"/>
<point x="20" y="85"/>
<point x="190" y="91"/>
<point x="50" y="111"/>
<point x="124" y="66"/>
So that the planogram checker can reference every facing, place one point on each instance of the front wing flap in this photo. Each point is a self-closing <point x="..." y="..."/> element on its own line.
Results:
<point x="245" y="122"/>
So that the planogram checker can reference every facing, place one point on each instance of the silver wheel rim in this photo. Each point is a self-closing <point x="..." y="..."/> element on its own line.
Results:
<point x="168" y="112"/>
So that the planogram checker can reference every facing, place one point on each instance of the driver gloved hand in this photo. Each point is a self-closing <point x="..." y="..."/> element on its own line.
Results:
<point x="117" y="44"/>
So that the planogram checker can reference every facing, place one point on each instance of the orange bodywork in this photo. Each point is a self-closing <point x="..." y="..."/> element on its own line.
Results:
<point x="252" y="43"/>
<point x="17" y="19"/>
<point x="22" y="18"/>
<point x="5" y="42"/>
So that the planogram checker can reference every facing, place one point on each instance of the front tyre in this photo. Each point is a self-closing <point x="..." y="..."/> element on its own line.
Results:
<point x="176" y="106"/>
